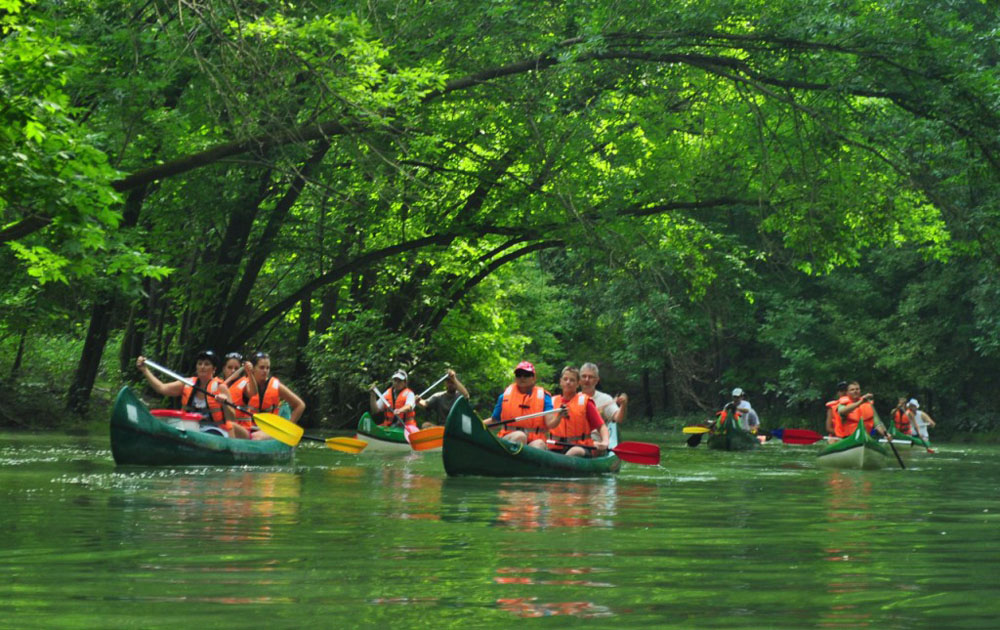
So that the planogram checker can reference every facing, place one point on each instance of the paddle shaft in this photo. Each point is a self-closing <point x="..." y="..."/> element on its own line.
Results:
<point x="519" y="418"/>
<point x="895" y="452"/>
<point x="436" y="383"/>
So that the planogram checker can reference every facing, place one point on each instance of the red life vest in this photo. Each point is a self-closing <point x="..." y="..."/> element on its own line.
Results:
<point x="902" y="421"/>
<point x="408" y="418"/>
<point x="831" y="413"/>
<point x="574" y="428"/>
<point x="214" y="406"/>
<point x="516" y="404"/>
<point x="863" y="412"/>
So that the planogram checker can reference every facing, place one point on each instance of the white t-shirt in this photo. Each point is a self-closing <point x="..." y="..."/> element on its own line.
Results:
<point x="606" y="405"/>
<point x="748" y="417"/>
<point x="921" y="424"/>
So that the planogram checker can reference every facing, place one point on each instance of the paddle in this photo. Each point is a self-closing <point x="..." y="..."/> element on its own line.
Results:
<point x="519" y="418"/>
<point x="344" y="444"/>
<point x="895" y="452"/>
<point x="635" y="452"/>
<point x="427" y="439"/>
<point x="797" y="436"/>
<point x="696" y="429"/>
<point x="271" y="423"/>
<point x="436" y="383"/>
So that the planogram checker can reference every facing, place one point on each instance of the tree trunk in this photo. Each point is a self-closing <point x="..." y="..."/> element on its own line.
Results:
<point x="646" y="394"/>
<point x="78" y="397"/>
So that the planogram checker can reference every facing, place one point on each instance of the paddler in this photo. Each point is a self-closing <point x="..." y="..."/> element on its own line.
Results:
<point x="439" y="404"/>
<point x="832" y="417"/>
<point x="260" y="392"/>
<point x="611" y="409"/>
<point x="579" y="418"/>
<point x="396" y="404"/>
<point x="522" y="398"/>
<point x="854" y="408"/>
<point x="210" y="407"/>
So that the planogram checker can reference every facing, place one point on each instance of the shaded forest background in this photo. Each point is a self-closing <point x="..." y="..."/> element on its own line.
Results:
<point x="694" y="195"/>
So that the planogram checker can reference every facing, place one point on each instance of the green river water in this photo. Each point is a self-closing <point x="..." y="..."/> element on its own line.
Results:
<point x="705" y="540"/>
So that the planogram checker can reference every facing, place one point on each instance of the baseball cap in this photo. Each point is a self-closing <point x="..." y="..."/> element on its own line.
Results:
<point x="737" y="392"/>
<point x="400" y="374"/>
<point x="913" y="403"/>
<point x="524" y="366"/>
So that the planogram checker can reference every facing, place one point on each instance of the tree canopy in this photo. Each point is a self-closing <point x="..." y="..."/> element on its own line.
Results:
<point x="691" y="193"/>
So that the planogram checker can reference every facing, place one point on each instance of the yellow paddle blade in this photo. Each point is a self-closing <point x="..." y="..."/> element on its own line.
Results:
<point x="280" y="429"/>
<point x="427" y="439"/>
<point x="346" y="444"/>
<point x="696" y="430"/>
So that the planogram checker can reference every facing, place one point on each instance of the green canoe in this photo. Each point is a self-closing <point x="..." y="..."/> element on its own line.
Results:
<point x="140" y="439"/>
<point x="858" y="451"/>
<point x="908" y="443"/>
<point x="730" y="436"/>
<point x="380" y="438"/>
<point x="471" y="449"/>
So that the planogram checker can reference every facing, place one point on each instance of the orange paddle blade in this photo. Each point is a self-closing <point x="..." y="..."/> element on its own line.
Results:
<point x="427" y="439"/>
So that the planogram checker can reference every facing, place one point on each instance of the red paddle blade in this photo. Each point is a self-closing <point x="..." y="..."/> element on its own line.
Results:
<point x="427" y="439"/>
<point x="638" y="453"/>
<point x="799" y="436"/>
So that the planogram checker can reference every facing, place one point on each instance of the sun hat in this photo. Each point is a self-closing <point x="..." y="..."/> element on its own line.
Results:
<point x="737" y="392"/>
<point x="913" y="403"/>
<point x="400" y="374"/>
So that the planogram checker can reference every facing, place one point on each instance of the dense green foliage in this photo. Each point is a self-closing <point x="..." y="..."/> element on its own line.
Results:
<point x="778" y="195"/>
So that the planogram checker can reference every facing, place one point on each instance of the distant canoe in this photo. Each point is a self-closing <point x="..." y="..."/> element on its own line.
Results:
<point x="858" y="451"/>
<point x="140" y="439"/>
<point x="472" y="449"/>
<point x="731" y="437"/>
<point x="380" y="438"/>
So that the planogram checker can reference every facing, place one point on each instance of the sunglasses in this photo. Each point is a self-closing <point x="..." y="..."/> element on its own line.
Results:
<point x="523" y="374"/>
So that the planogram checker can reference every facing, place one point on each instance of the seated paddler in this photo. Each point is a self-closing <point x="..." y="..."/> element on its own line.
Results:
<point x="524" y="398"/>
<point x="396" y="404"/>
<point x="571" y="431"/>
<point x="194" y="399"/>
<point x="855" y="408"/>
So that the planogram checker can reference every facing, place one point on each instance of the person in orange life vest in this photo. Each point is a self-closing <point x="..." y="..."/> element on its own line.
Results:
<point x="232" y="369"/>
<point x="854" y="408"/>
<point x="731" y="409"/>
<point x="396" y="404"/>
<point x="192" y="400"/>
<point x="579" y="419"/>
<point x="832" y="417"/>
<point x="522" y="398"/>
<point x="262" y="393"/>
<point x="899" y="417"/>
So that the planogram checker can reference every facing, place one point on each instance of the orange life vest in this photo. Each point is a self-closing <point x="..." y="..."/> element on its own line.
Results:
<point x="214" y="406"/>
<point x="574" y="428"/>
<point x="408" y="418"/>
<point x="902" y="421"/>
<point x="863" y="412"/>
<point x="269" y="402"/>
<point x="723" y="415"/>
<point x="516" y="404"/>
<point x="831" y="413"/>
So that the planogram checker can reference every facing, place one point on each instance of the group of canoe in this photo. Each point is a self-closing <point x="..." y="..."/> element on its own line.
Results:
<point x="140" y="436"/>
<point x="857" y="439"/>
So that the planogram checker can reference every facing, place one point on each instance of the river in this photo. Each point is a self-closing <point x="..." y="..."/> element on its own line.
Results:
<point x="705" y="540"/>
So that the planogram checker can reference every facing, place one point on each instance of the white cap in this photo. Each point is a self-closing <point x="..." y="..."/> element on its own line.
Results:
<point x="400" y="374"/>
<point x="744" y="404"/>
<point x="913" y="403"/>
<point x="737" y="392"/>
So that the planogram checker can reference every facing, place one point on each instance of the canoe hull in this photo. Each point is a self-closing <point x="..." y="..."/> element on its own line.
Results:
<point x="858" y="451"/>
<point x="471" y="449"/>
<point x="732" y="438"/>
<point x="139" y="439"/>
<point x="381" y="438"/>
